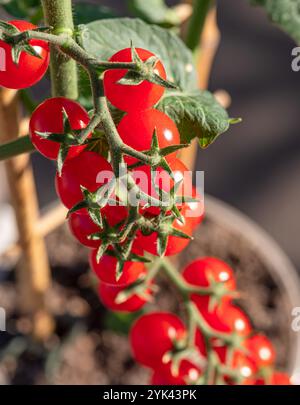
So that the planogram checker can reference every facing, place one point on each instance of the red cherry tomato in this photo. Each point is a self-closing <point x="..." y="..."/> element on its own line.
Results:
<point x="89" y="170"/>
<point x="236" y="320"/>
<point x="137" y="97"/>
<point x="153" y="335"/>
<point x="30" y="69"/>
<point x="48" y="117"/>
<point x="108" y="295"/>
<point x="261" y="350"/>
<point x="82" y="226"/>
<point x="106" y="270"/>
<point x="144" y="178"/>
<point x="136" y="130"/>
<point x="193" y="211"/>
<point x="245" y="367"/>
<point x="199" y="273"/>
<point x="188" y="373"/>
<point x="174" y="245"/>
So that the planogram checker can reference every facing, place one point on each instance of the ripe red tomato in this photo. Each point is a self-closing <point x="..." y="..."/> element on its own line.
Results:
<point x="261" y="350"/>
<point x="193" y="211"/>
<point x="200" y="271"/>
<point x="245" y="367"/>
<point x="82" y="170"/>
<point x="108" y="294"/>
<point x="188" y="373"/>
<point x="137" y="97"/>
<point x="174" y="245"/>
<point x="136" y="130"/>
<point x="82" y="226"/>
<point x="153" y="335"/>
<point x="235" y="319"/>
<point x="48" y="117"/>
<point x="144" y="178"/>
<point x="30" y="69"/>
<point x="106" y="270"/>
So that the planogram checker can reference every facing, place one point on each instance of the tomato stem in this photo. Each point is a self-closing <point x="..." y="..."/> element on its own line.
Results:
<point x="58" y="15"/>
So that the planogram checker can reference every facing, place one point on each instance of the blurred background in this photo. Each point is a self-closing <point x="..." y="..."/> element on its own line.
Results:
<point x="254" y="167"/>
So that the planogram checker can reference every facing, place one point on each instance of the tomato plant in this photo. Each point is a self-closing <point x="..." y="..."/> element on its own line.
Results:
<point x="144" y="107"/>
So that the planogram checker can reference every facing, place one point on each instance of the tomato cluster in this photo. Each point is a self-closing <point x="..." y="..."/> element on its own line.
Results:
<point x="158" y="339"/>
<point x="54" y="129"/>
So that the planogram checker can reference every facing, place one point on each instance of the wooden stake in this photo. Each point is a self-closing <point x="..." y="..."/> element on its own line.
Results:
<point x="33" y="273"/>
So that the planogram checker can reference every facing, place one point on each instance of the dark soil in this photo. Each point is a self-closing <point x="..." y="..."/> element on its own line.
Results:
<point x="90" y="345"/>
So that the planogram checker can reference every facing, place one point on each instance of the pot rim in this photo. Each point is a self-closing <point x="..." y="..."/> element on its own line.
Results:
<point x="280" y="265"/>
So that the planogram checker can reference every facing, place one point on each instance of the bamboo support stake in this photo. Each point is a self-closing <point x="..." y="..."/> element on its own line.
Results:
<point x="33" y="273"/>
<point x="204" y="59"/>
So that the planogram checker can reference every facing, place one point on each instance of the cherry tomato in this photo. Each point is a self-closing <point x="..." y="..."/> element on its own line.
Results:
<point x="108" y="294"/>
<point x="153" y="335"/>
<point x="106" y="270"/>
<point x="200" y="271"/>
<point x="82" y="226"/>
<point x="89" y="170"/>
<point x="193" y="211"/>
<point x="188" y="373"/>
<point x="136" y="97"/>
<point x="136" y="130"/>
<point x="48" y="117"/>
<point x="245" y="367"/>
<point x="236" y="320"/>
<point x="174" y="245"/>
<point x="144" y="178"/>
<point x="261" y="350"/>
<point x="30" y="69"/>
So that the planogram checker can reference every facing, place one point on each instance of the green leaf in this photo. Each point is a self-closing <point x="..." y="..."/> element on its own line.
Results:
<point x="154" y="12"/>
<point x="197" y="114"/>
<point x="176" y="57"/>
<point x="285" y="13"/>
<point x="20" y="8"/>
<point x="85" y="13"/>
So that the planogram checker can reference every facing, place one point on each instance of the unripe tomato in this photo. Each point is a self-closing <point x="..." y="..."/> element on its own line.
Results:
<point x="188" y="373"/>
<point x="48" y="117"/>
<point x="89" y="170"/>
<point x="105" y="270"/>
<point x="136" y="130"/>
<point x="108" y="295"/>
<point x="30" y="69"/>
<point x="153" y="335"/>
<point x="136" y="97"/>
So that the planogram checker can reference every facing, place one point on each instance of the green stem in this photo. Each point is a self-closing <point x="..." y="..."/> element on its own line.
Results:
<point x="196" y="24"/>
<point x="16" y="147"/>
<point x="58" y="15"/>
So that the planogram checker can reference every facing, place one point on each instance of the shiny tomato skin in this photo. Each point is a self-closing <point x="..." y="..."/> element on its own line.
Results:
<point x="188" y="372"/>
<point x="82" y="170"/>
<point x="48" y="117"/>
<point x="108" y="294"/>
<point x="30" y="69"/>
<point x="105" y="270"/>
<point x="136" y="130"/>
<point x="127" y="97"/>
<point x="261" y="350"/>
<point x="153" y="335"/>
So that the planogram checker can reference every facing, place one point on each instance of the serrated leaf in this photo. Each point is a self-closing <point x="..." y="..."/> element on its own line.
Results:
<point x="197" y="114"/>
<point x="285" y="13"/>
